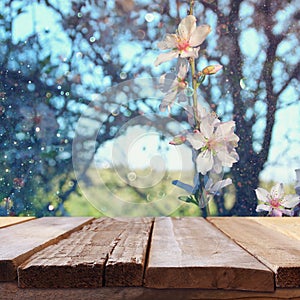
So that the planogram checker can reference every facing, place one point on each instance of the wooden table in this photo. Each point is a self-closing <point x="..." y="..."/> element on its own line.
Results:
<point x="149" y="258"/>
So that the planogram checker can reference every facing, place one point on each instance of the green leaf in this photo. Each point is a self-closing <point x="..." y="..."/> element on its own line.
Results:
<point x="189" y="199"/>
<point x="183" y="198"/>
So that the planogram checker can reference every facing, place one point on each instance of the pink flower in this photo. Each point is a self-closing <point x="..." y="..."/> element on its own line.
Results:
<point x="185" y="43"/>
<point x="215" y="142"/>
<point x="275" y="202"/>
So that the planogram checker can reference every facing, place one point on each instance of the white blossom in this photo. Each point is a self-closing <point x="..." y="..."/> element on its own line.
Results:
<point x="275" y="202"/>
<point x="174" y="85"/>
<point x="185" y="42"/>
<point x="216" y="142"/>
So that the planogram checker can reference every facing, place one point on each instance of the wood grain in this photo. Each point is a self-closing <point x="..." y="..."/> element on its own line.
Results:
<point x="287" y="226"/>
<point x="79" y="260"/>
<point x="191" y="253"/>
<point x="126" y="263"/>
<point x="278" y="251"/>
<point x="9" y="221"/>
<point x="20" y="241"/>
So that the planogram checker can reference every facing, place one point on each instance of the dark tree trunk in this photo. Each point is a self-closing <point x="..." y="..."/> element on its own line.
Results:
<point x="246" y="172"/>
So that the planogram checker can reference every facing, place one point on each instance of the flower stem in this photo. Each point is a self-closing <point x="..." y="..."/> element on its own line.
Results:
<point x="207" y="209"/>
<point x="195" y="85"/>
<point x="194" y="78"/>
<point x="195" y="95"/>
<point x="192" y="3"/>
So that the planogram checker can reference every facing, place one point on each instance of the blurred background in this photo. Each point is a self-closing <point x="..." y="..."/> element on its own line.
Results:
<point x="58" y="58"/>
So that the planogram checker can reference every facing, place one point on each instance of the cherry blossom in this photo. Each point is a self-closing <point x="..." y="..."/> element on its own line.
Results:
<point x="216" y="144"/>
<point x="275" y="202"/>
<point x="210" y="190"/>
<point x="213" y="141"/>
<point x="185" y="42"/>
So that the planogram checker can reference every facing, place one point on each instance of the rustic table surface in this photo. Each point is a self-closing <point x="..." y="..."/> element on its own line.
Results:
<point x="149" y="258"/>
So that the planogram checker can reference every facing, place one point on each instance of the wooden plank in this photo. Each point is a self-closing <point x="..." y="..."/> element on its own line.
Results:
<point x="20" y="241"/>
<point x="79" y="261"/>
<point x="8" y="221"/>
<point x="276" y="250"/>
<point x="10" y="290"/>
<point x="126" y="264"/>
<point x="191" y="253"/>
<point x="287" y="226"/>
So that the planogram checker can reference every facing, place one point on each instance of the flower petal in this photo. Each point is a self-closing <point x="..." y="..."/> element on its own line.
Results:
<point x="196" y="140"/>
<point x="199" y="35"/>
<point x="192" y="52"/>
<point x="204" y="162"/>
<point x="290" y="201"/>
<point x="263" y="207"/>
<point x="167" y="81"/>
<point x="234" y="154"/>
<point x="262" y="194"/>
<point x="217" y="167"/>
<point x="163" y="57"/>
<point x="225" y="129"/>
<point x="190" y="115"/>
<point x="206" y="128"/>
<point x="209" y="184"/>
<point x="201" y="113"/>
<point x="276" y="212"/>
<point x="186" y="27"/>
<point x="226" y="158"/>
<point x="170" y="42"/>
<point x="288" y="212"/>
<point x="168" y="100"/>
<point x="214" y="188"/>
<point x="182" y="96"/>
<point x="182" y="67"/>
<point x="277" y="191"/>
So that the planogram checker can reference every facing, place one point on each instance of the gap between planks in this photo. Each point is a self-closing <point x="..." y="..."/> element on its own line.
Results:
<point x="24" y="239"/>
<point x="107" y="251"/>
<point x="126" y="263"/>
<point x="123" y="281"/>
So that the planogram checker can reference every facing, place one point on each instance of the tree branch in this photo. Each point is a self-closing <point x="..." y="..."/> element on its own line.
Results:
<point x="294" y="75"/>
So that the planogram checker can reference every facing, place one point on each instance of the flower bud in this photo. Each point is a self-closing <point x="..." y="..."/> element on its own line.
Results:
<point x="210" y="70"/>
<point x="182" y="84"/>
<point x="178" y="140"/>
